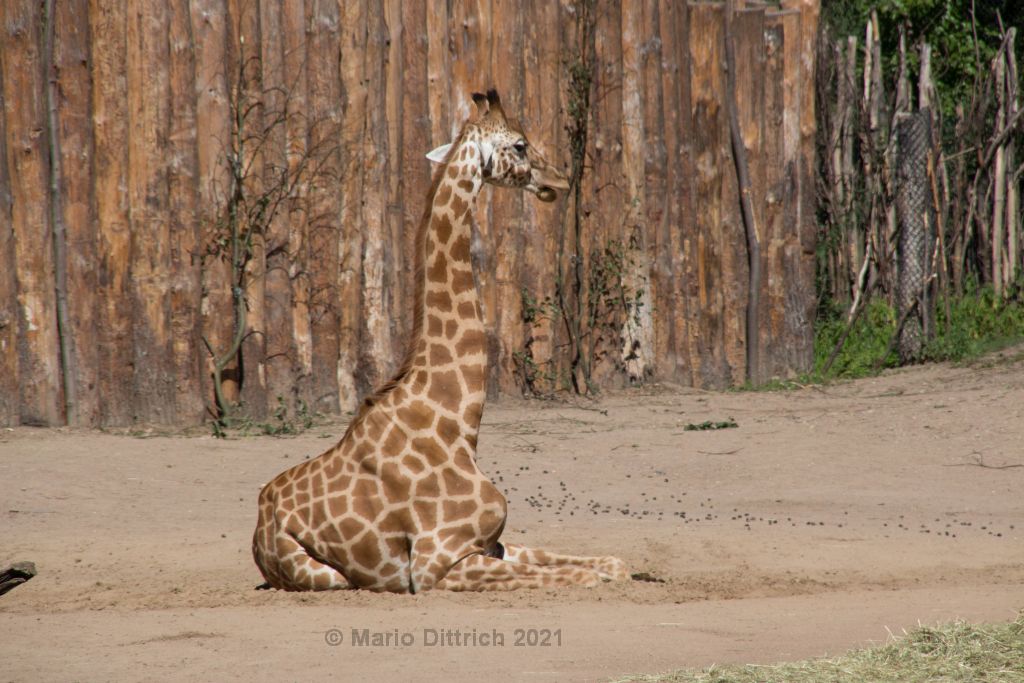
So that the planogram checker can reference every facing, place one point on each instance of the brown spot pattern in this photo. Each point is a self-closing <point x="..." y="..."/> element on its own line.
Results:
<point x="472" y="341"/>
<point x="442" y="301"/>
<point x="460" y="249"/>
<point x="439" y="271"/>
<point x="442" y="228"/>
<point x="445" y="390"/>
<point x="448" y="430"/>
<point x="462" y="281"/>
<point x="439" y="355"/>
<point x="417" y="415"/>
<point x="455" y="484"/>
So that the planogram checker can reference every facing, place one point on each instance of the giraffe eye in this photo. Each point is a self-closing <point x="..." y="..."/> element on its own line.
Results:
<point x="520" y="146"/>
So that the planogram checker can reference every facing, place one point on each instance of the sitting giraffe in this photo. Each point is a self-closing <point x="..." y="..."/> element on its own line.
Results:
<point x="399" y="503"/>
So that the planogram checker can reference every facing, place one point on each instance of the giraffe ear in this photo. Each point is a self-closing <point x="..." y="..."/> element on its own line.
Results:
<point x="482" y="103"/>
<point x="437" y="155"/>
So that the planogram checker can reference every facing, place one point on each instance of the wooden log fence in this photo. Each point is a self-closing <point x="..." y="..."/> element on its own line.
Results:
<point x="116" y="140"/>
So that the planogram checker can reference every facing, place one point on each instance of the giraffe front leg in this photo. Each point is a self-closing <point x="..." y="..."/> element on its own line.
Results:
<point x="608" y="568"/>
<point x="286" y="565"/>
<point x="483" y="573"/>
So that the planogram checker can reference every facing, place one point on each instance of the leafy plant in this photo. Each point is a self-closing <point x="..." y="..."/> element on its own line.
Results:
<point x="967" y="326"/>
<point x="710" y="425"/>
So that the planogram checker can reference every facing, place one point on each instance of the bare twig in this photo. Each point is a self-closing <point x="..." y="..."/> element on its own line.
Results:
<point x="979" y="461"/>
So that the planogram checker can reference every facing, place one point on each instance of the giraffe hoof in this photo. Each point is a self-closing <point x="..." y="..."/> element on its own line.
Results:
<point x="612" y="569"/>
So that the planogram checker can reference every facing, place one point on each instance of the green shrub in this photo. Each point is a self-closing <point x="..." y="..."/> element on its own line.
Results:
<point x="865" y="345"/>
<point x="970" y="325"/>
<point x="977" y="322"/>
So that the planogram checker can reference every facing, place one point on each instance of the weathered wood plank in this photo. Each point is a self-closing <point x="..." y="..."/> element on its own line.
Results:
<point x="74" y="130"/>
<point x="8" y="285"/>
<point x="148" y="128"/>
<point x="607" y="192"/>
<point x="748" y="30"/>
<point x="682" y="236"/>
<point x="324" y="107"/>
<point x="246" y="53"/>
<point x="21" y="59"/>
<point x="799" y="263"/>
<point x="293" y="36"/>
<point x="802" y="321"/>
<point x="708" y="317"/>
<point x="210" y="37"/>
<point x="353" y="85"/>
<point x="110" y="210"/>
<point x="376" y="351"/>
<point x="330" y="289"/>
<point x="183" y="197"/>
<point x="542" y="117"/>
<point x="279" y="341"/>
<point x="774" y="242"/>
<point x="412" y="167"/>
<point x="507" y="238"/>
<point x="734" y="272"/>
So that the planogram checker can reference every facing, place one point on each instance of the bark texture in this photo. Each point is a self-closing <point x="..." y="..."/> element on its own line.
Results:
<point x="640" y="276"/>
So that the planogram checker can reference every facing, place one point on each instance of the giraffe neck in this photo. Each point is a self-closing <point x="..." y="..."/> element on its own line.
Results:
<point x="450" y="337"/>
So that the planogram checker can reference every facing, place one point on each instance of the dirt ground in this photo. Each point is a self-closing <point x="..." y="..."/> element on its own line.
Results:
<point x="829" y="518"/>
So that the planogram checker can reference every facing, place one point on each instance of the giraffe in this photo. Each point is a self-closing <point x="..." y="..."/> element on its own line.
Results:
<point x="399" y="503"/>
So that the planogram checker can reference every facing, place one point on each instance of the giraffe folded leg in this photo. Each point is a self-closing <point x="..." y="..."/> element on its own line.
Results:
<point x="608" y="568"/>
<point x="483" y="573"/>
<point x="291" y="568"/>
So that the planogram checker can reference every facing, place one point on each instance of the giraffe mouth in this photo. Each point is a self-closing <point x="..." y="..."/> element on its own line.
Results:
<point x="546" y="183"/>
<point x="546" y="194"/>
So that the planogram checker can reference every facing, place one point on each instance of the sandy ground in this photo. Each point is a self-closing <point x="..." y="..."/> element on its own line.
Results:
<point x="829" y="518"/>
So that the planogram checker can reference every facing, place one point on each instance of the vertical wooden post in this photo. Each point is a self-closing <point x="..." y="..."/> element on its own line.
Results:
<point x="670" y="348"/>
<point x="658" y="291"/>
<point x="641" y="142"/>
<point x="543" y="58"/>
<point x="324" y="110"/>
<point x="376" y="349"/>
<point x="183" y="177"/>
<point x="277" y="96"/>
<point x="507" y="236"/>
<point x="748" y="89"/>
<point x="73" y="129"/>
<point x="210" y="37"/>
<point x="9" y="374"/>
<point x="707" y="82"/>
<point x="353" y="130"/>
<point x="109" y="171"/>
<point x="801" y="32"/>
<point x="245" y="55"/>
<point x="684" y="235"/>
<point x="296" y="50"/>
<point x="773" y="321"/>
<point x="148" y="128"/>
<point x="805" y="296"/>
<point x="21" y="60"/>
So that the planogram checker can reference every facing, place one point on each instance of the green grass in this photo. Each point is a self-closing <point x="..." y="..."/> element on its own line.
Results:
<point x="958" y="651"/>
<point x="971" y="325"/>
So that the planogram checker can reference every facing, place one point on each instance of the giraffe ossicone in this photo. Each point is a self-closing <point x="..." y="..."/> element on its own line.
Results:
<point x="399" y="503"/>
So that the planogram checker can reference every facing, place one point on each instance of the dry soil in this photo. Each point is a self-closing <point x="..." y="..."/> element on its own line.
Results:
<point x="828" y="518"/>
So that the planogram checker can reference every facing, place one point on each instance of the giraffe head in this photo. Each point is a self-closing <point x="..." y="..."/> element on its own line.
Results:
<point x="508" y="158"/>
